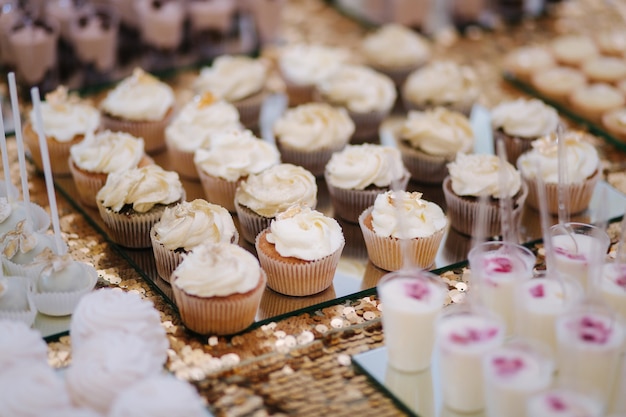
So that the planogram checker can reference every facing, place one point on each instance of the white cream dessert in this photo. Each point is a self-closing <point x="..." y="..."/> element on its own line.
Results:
<point x="563" y="403"/>
<point x="524" y="118"/>
<point x="232" y="77"/>
<point x="161" y="22"/>
<point x="19" y="344"/>
<point x="395" y="46"/>
<point x="107" y="152"/>
<point x="34" y="47"/>
<point x="207" y="15"/>
<point x="94" y="37"/>
<point x="612" y="287"/>
<point x="304" y="64"/>
<point x="442" y="83"/>
<point x="410" y="301"/>
<point x="12" y="212"/>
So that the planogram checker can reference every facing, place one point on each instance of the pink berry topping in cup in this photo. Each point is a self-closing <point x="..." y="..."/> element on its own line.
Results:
<point x="592" y="330"/>
<point x="471" y="335"/>
<point x="507" y="367"/>
<point x="556" y="403"/>
<point x="417" y="289"/>
<point x="498" y="264"/>
<point x="537" y="291"/>
<point x="569" y="254"/>
<point x="621" y="281"/>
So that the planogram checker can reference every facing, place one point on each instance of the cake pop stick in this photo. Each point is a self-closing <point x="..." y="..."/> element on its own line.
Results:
<point x="45" y="157"/>
<point x="17" y="122"/>
<point x="563" y="209"/>
<point x="506" y="204"/>
<point x="398" y="193"/>
<point x="544" y="218"/>
<point x="5" y="161"/>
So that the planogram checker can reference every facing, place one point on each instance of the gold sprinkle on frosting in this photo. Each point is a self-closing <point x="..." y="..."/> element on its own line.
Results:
<point x="206" y="100"/>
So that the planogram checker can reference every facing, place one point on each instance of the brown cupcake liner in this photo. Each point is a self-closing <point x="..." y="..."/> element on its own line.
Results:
<point x="218" y="190"/>
<point x="251" y="223"/>
<point x="314" y="161"/>
<point x="63" y="303"/>
<point x="87" y="183"/>
<point x="397" y="75"/>
<point x="250" y="109"/>
<point x="274" y="304"/>
<point x="219" y="315"/>
<point x="57" y="151"/>
<point x="349" y="204"/>
<point x="462" y="211"/>
<point x="513" y="145"/>
<point x="464" y="108"/>
<point x="182" y="162"/>
<point x="298" y="94"/>
<point x="388" y="253"/>
<point x="578" y="194"/>
<point x="424" y="168"/>
<point x="297" y="277"/>
<point x="130" y="230"/>
<point x="152" y="132"/>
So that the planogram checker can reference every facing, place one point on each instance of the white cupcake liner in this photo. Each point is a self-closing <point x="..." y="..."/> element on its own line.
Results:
<point x="182" y="162"/>
<point x="219" y="315"/>
<point x="424" y="168"/>
<point x="130" y="230"/>
<point x="40" y="218"/>
<point x="314" y="161"/>
<point x="514" y="146"/>
<point x="249" y="109"/>
<point x="298" y="94"/>
<point x="299" y="278"/>
<point x="166" y="260"/>
<point x="251" y="223"/>
<point x="87" y="184"/>
<point x="152" y="132"/>
<point x="27" y="316"/>
<point x="218" y="190"/>
<point x="387" y="252"/>
<point x="29" y="271"/>
<point x="64" y="303"/>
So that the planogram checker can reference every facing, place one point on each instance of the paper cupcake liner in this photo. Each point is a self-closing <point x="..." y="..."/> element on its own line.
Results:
<point x="462" y="211"/>
<point x="387" y="252"/>
<point x="57" y="151"/>
<point x="218" y="190"/>
<point x="578" y="194"/>
<point x="251" y="223"/>
<point x="250" y="109"/>
<point x="514" y="146"/>
<point x="366" y="126"/>
<point x="219" y="315"/>
<point x="182" y="162"/>
<point x="40" y="217"/>
<point x="314" y="161"/>
<point x="397" y="75"/>
<point x="424" y="168"/>
<point x="298" y="94"/>
<point x="297" y="277"/>
<point x="131" y="231"/>
<point x="87" y="184"/>
<point x="14" y="269"/>
<point x="349" y="204"/>
<point x="152" y="132"/>
<point x="464" y="108"/>
<point x="166" y="260"/>
<point x="274" y="304"/>
<point x="26" y="316"/>
<point x="64" y="303"/>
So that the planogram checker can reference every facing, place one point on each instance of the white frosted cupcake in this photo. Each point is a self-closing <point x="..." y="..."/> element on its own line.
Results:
<point x="92" y="160"/>
<point x="66" y="121"/>
<point x="479" y="175"/>
<point x="605" y="69"/>
<point x="614" y="122"/>
<point x="16" y="301"/>
<point x="422" y="224"/>
<point x="302" y="66"/>
<point x="583" y="171"/>
<point x="525" y="61"/>
<point x="218" y="288"/>
<point x="300" y="251"/>
<point x="396" y="51"/>
<point x="232" y="157"/>
<point x="367" y="95"/>
<point x="573" y="49"/>
<point x="309" y="134"/>
<point x="186" y="225"/>
<point x="430" y="139"/>
<point x="594" y="100"/>
<point x="19" y="344"/>
<point x="141" y="105"/>
<point x="262" y="196"/>
<point x="357" y="174"/>
<point x="192" y="129"/>
<point x="519" y="122"/>
<point x="557" y="83"/>
<point x="441" y="83"/>
<point x="241" y="81"/>
<point x="132" y="201"/>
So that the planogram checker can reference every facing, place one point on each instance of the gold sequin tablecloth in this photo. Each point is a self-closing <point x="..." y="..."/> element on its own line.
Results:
<point x="300" y="364"/>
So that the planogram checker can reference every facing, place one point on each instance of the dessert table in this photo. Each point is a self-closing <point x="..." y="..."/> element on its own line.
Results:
<point x="300" y="362"/>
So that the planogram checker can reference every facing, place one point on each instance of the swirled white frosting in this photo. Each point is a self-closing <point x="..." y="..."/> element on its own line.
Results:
<point x="573" y="49"/>
<point x="114" y="310"/>
<point x="217" y="270"/>
<point x="159" y="396"/>
<point x="526" y="59"/>
<point x="306" y="234"/>
<point x="191" y="223"/>
<point x="600" y="96"/>
<point x="276" y="189"/>
<point x="561" y="79"/>
<point x="140" y="97"/>
<point x="394" y="46"/>
<point x="232" y="78"/>
<point x="314" y="126"/>
<point x="479" y="175"/>
<point x="198" y="121"/>
<point x="442" y="83"/>
<point x="108" y="364"/>
<point x="524" y="118"/>
<point x="419" y="218"/>
<point x="581" y="159"/>
<point x="66" y="116"/>
<point x="359" y="89"/>
<point x="438" y="132"/>
<point x="108" y="152"/>
<point x="309" y="64"/>
<point x="19" y="344"/>
<point x="236" y="154"/>
<point x="357" y="167"/>
<point x="143" y="188"/>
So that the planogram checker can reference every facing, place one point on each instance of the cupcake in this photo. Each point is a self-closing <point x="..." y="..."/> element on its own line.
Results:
<point x="605" y="69"/>
<point x="218" y="288"/>
<point x="612" y="41"/>
<point x="309" y="134"/>
<point x="92" y="160"/>
<point x="233" y="156"/>
<point x="429" y="139"/>
<point x="558" y="83"/>
<point x="132" y="201"/>
<point x="186" y="225"/>
<point x="192" y="129"/>
<point x="239" y="80"/>
<point x="396" y="51"/>
<point x="480" y="175"/>
<point x="592" y="101"/>
<point x="16" y="301"/>
<point x="367" y="95"/>
<point x="614" y="122"/>
<point x="19" y="344"/>
<point x="525" y="61"/>
<point x="300" y="251"/>
<point x="357" y="174"/>
<point x="582" y="174"/>
<point x="140" y="105"/>
<point x="573" y="49"/>
<point x="401" y="225"/>
<point x="519" y="122"/>
<point x="66" y="120"/>
<point x="260" y="197"/>
<point x="302" y="66"/>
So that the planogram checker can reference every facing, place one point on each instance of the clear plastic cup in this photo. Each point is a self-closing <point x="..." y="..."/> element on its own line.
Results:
<point x="563" y="403"/>
<point x="498" y="268"/>
<point x="612" y="287"/>
<point x="411" y="301"/>
<point x="465" y="334"/>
